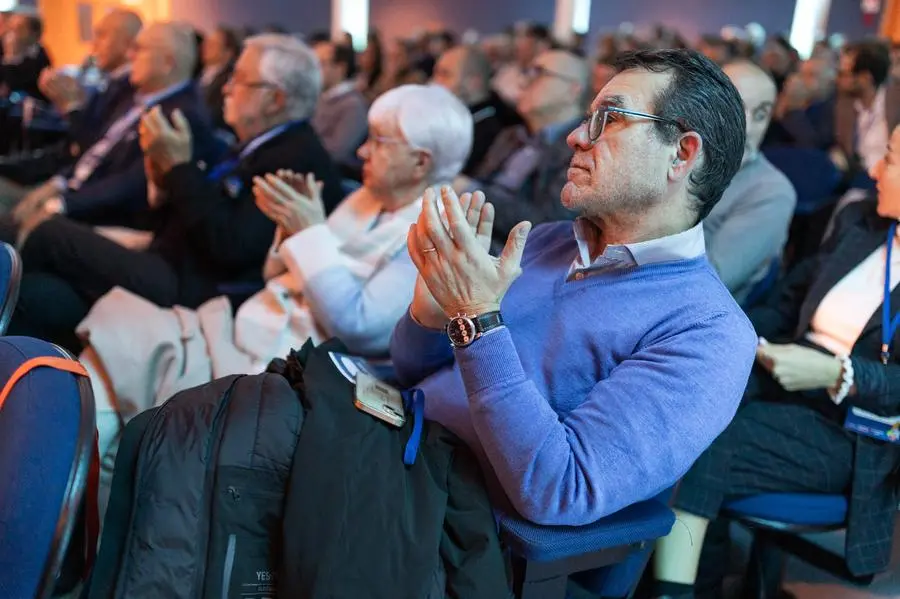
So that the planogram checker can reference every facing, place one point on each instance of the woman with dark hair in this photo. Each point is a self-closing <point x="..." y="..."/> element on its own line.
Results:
<point x="808" y="422"/>
<point x="220" y="50"/>
<point x="371" y="66"/>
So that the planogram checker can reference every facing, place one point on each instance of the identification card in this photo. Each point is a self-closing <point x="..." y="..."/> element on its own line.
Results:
<point x="874" y="426"/>
<point x="379" y="400"/>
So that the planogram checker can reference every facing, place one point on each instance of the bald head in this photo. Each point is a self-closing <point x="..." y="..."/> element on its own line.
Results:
<point x="113" y="36"/>
<point x="164" y="54"/>
<point x="466" y="72"/>
<point x="557" y="90"/>
<point x="758" y="92"/>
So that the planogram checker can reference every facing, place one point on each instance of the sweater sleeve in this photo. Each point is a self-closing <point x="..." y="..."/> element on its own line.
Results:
<point x="417" y="351"/>
<point x="361" y="313"/>
<point x="636" y="434"/>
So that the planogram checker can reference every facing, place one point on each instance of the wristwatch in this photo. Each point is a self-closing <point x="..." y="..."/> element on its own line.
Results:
<point x="463" y="329"/>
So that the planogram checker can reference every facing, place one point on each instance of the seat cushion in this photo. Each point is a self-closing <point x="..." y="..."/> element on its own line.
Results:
<point x="792" y="508"/>
<point x="645" y="521"/>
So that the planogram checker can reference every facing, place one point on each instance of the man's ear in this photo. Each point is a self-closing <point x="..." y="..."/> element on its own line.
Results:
<point x="424" y="164"/>
<point x="687" y="153"/>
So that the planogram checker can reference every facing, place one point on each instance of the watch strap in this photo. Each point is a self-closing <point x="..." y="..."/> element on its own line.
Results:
<point x="487" y="321"/>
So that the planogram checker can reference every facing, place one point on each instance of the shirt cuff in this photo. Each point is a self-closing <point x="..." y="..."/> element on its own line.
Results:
<point x="491" y="360"/>
<point x="311" y="251"/>
<point x="60" y="183"/>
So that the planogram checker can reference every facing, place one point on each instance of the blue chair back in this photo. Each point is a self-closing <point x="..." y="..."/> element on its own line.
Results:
<point x="47" y="426"/>
<point x="814" y="177"/>
<point x="10" y="278"/>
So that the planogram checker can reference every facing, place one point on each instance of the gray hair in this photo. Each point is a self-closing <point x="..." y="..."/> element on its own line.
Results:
<point x="432" y="119"/>
<point x="290" y="64"/>
<point x="178" y="37"/>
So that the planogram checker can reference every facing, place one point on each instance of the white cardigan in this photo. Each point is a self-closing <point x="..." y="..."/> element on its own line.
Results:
<point x="350" y="278"/>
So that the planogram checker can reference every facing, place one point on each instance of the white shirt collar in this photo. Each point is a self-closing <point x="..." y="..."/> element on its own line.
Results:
<point x="680" y="246"/>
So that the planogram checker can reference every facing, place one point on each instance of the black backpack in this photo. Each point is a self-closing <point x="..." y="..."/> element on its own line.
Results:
<point x="197" y="497"/>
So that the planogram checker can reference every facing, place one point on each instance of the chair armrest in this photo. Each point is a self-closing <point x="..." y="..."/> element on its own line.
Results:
<point x="638" y="523"/>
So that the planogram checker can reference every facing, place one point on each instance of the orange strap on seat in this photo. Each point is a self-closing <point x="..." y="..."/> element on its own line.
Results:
<point x="27" y="366"/>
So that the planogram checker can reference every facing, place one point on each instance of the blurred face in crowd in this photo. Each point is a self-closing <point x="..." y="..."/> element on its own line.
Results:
<point x="553" y="86"/>
<point x="817" y="78"/>
<point x="332" y="73"/>
<point x="398" y="57"/>
<point x="215" y="50"/>
<point x="526" y="48"/>
<point x="719" y="53"/>
<point x="887" y="176"/>
<point x="152" y="61"/>
<point x="758" y="92"/>
<point x="390" y="164"/>
<point x="19" y="35"/>
<point x="848" y="82"/>
<point x="776" y="58"/>
<point x="450" y="72"/>
<point x="250" y="100"/>
<point x="626" y="170"/>
<point x="112" y="41"/>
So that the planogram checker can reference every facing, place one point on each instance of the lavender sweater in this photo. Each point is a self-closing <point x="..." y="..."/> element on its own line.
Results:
<point x="599" y="392"/>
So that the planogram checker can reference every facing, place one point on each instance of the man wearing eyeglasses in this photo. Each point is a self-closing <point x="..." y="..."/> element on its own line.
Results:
<point x="524" y="171"/>
<point x="747" y="230"/>
<point x="590" y="369"/>
<point x="209" y="238"/>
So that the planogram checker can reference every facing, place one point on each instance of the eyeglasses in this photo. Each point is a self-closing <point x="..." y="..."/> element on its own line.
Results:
<point x="598" y="120"/>
<point x="233" y="81"/>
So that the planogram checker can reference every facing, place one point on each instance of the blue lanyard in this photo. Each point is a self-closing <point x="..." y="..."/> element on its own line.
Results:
<point x="888" y="326"/>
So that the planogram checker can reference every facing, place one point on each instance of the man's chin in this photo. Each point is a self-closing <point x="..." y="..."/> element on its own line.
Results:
<point x="569" y="196"/>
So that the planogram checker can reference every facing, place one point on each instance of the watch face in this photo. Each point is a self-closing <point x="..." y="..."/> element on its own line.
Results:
<point x="461" y="331"/>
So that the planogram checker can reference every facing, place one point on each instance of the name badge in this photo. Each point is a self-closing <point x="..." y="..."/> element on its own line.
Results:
<point x="874" y="426"/>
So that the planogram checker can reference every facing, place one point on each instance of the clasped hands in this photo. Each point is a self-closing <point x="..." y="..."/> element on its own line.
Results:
<point x="292" y="201"/>
<point x="457" y="274"/>
<point x="165" y="145"/>
<point x="798" y="368"/>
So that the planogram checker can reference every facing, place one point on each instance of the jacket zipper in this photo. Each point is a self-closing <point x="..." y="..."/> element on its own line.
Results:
<point x="229" y="565"/>
<point x="152" y="425"/>
<point x="212" y="458"/>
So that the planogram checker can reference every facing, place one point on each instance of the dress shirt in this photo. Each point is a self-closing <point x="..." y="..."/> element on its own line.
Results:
<point x="849" y="305"/>
<point x="680" y="246"/>
<point x="872" y="133"/>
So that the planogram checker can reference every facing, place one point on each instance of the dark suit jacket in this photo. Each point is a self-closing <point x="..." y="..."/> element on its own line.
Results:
<point x="214" y="98"/>
<point x="89" y="123"/>
<point x="846" y="116"/>
<point x="874" y="494"/>
<point x="116" y="191"/>
<point x="488" y="125"/>
<point x="23" y="76"/>
<point x="213" y="233"/>
<point x="538" y="199"/>
<point x="809" y="128"/>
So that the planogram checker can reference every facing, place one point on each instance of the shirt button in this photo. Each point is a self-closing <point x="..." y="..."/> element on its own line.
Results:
<point x="579" y="276"/>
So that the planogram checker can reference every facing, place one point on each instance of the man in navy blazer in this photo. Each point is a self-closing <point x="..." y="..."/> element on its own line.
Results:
<point x="89" y="112"/>
<point x="107" y="184"/>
